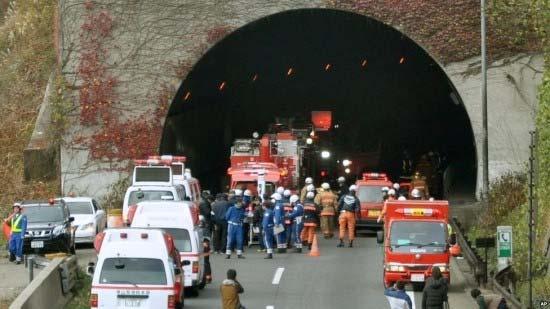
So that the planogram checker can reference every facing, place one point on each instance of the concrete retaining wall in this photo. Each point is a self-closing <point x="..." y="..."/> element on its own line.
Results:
<point x="44" y="291"/>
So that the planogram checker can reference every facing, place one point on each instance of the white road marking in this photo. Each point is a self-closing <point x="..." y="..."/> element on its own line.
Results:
<point x="411" y="295"/>
<point x="269" y="307"/>
<point x="278" y="275"/>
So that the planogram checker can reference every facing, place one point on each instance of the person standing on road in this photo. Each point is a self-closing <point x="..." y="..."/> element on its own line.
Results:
<point x="296" y="216"/>
<point x="348" y="207"/>
<point x="267" y="228"/>
<point x="397" y="297"/>
<point x="278" y="219"/>
<point x="205" y="210"/>
<point x="18" y="224"/>
<point x="328" y="202"/>
<point x="342" y="187"/>
<point x="303" y="192"/>
<point x="249" y="213"/>
<point x="288" y="222"/>
<point x="435" y="291"/>
<point x="311" y="218"/>
<point x="219" y="209"/>
<point x="234" y="218"/>
<point x="230" y="290"/>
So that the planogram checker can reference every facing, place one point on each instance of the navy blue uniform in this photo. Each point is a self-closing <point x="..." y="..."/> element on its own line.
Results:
<point x="267" y="228"/>
<point x="278" y="219"/>
<point x="234" y="217"/>
<point x="297" y="216"/>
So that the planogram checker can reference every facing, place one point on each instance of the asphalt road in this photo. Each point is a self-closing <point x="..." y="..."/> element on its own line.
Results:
<point x="340" y="278"/>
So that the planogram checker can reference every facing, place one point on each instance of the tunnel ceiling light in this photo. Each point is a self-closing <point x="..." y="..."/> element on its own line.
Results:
<point x="222" y="86"/>
<point x="364" y="63"/>
<point x="255" y="77"/>
<point x="347" y="170"/>
<point x="187" y="96"/>
<point x="346" y="162"/>
<point x="309" y="140"/>
<point x="336" y="126"/>
<point x="325" y="154"/>
<point x="402" y="60"/>
<point x="289" y="72"/>
<point x="255" y="135"/>
<point x="328" y="66"/>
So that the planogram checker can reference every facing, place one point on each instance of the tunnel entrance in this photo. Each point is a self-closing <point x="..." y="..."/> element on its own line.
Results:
<point x="386" y="94"/>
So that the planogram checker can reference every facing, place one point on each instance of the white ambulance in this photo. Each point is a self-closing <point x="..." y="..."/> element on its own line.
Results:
<point x="136" y="268"/>
<point x="181" y="221"/>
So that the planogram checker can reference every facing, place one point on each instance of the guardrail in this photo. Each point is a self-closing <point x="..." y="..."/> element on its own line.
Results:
<point x="51" y="287"/>
<point x="478" y="266"/>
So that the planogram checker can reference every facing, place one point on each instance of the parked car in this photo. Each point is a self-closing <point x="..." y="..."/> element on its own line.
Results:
<point x="89" y="218"/>
<point x="48" y="227"/>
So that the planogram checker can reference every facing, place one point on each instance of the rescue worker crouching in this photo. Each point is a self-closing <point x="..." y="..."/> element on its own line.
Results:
<point x="18" y="224"/>
<point x="328" y="202"/>
<point x="235" y="217"/>
<point x="311" y="218"/>
<point x="296" y="216"/>
<point x="348" y="207"/>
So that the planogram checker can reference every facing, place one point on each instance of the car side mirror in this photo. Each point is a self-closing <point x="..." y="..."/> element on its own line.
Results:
<point x="90" y="268"/>
<point x="71" y="219"/>
<point x="186" y="263"/>
<point x="380" y="236"/>
<point x="177" y="271"/>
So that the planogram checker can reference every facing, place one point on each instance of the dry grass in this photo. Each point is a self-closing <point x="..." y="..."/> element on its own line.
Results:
<point x="26" y="60"/>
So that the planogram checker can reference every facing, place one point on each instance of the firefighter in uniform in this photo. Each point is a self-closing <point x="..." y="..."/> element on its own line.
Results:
<point x="303" y="192"/>
<point x="235" y="217"/>
<point x="311" y="217"/>
<point x="297" y="216"/>
<point x="288" y="222"/>
<point x="418" y="182"/>
<point x="328" y="202"/>
<point x="267" y="229"/>
<point x="278" y="219"/>
<point x="348" y="207"/>
<point x="18" y="224"/>
<point x="342" y="188"/>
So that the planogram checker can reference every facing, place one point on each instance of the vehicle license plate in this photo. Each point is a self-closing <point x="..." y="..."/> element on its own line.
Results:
<point x="417" y="277"/>
<point x="374" y="213"/>
<point x="37" y="244"/>
<point x="129" y="302"/>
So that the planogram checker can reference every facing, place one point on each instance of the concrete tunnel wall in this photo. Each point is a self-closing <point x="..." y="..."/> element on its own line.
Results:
<point x="151" y="38"/>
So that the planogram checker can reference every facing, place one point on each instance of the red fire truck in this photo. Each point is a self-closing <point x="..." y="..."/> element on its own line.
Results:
<point x="369" y="192"/>
<point x="272" y="154"/>
<point x="416" y="239"/>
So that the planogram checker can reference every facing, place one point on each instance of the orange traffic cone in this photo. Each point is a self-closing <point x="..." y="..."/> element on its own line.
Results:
<point x="314" y="247"/>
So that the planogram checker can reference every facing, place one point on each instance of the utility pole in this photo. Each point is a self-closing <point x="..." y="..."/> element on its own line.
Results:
<point x="530" y="218"/>
<point x="485" y="147"/>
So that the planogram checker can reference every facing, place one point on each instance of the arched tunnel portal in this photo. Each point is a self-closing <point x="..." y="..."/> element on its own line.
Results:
<point x="387" y="95"/>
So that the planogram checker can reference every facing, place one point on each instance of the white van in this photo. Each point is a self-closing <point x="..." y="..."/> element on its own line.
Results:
<point x="137" y="268"/>
<point x="180" y="219"/>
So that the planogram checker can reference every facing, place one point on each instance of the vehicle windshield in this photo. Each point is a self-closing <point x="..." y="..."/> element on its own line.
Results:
<point x="133" y="271"/>
<point x="181" y="239"/>
<point x="37" y="214"/>
<point x="147" y="196"/>
<point x="253" y="187"/>
<point x="370" y="194"/>
<point x="418" y="236"/>
<point x="80" y="208"/>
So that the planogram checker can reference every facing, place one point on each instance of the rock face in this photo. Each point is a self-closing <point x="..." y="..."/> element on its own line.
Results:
<point x="140" y="51"/>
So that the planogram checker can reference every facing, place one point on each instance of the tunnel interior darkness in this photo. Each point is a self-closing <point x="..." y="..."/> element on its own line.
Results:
<point x="385" y="92"/>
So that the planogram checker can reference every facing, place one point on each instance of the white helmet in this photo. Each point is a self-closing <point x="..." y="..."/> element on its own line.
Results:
<point x="341" y="179"/>
<point x="396" y="186"/>
<point x="310" y="194"/>
<point x="391" y="192"/>
<point x="276" y="196"/>
<point x="287" y="193"/>
<point x="247" y="193"/>
<point x="385" y="189"/>
<point x="402" y="198"/>
<point x="294" y="198"/>
<point x="325" y="186"/>
<point x="416" y="193"/>
<point x="310" y="188"/>
<point x="309" y="180"/>
<point x="280" y="190"/>
<point x="353" y="188"/>
<point x="238" y="192"/>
